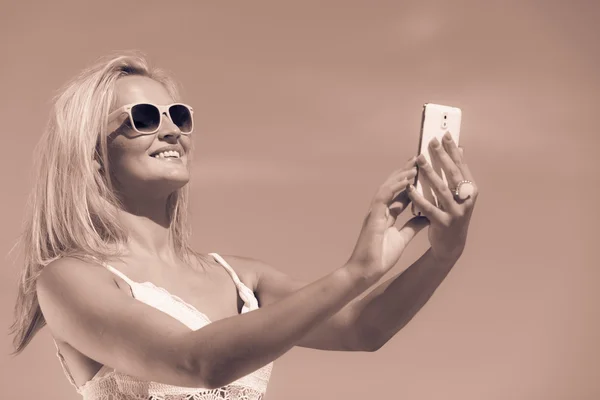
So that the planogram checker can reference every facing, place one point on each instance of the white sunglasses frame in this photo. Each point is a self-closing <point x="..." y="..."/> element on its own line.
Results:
<point x="162" y="109"/>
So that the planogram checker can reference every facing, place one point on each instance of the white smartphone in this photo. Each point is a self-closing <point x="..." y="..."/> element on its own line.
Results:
<point x="436" y="120"/>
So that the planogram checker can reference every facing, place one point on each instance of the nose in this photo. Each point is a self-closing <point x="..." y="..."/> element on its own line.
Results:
<point x="168" y="129"/>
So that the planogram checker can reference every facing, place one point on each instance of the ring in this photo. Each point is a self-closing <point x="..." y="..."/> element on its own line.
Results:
<point x="464" y="190"/>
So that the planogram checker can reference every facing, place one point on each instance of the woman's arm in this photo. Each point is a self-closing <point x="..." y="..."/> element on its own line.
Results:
<point x="367" y="324"/>
<point x="392" y="304"/>
<point x="84" y="308"/>
<point x="362" y="325"/>
<point x="270" y="286"/>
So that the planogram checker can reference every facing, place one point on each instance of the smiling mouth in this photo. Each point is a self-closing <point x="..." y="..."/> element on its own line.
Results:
<point x="168" y="155"/>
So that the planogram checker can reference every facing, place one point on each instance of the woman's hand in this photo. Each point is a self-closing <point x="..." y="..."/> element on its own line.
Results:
<point x="449" y="223"/>
<point x="380" y="244"/>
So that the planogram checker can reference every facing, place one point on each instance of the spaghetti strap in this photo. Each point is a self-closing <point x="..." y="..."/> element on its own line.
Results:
<point x="114" y="270"/>
<point x="119" y="274"/>
<point x="226" y="265"/>
<point x="246" y="294"/>
<point x="63" y="364"/>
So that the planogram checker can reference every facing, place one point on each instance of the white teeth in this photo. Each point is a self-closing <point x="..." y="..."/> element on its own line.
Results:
<point x="167" y="154"/>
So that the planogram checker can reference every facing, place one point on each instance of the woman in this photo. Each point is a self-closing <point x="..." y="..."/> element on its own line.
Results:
<point x="137" y="314"/>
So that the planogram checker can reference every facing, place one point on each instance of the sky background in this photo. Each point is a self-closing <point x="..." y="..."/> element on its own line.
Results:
<point x="302" y="110"/>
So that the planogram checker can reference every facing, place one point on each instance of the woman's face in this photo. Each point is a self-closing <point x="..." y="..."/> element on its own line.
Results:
<point x="134" y="168"/>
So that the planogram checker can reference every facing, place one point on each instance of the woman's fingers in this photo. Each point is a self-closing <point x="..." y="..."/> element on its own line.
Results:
<point x="436" y="182"/>
<point x="394" y="184"/>
<point x="408" y="169"/>
<point x="399" y="203"/>
<point x="447" y="162"/>
<point x="399" y="200"/>
<point x="432" y="213"/>
<point x="456" y="154"/>
<point x="389" y="194"/>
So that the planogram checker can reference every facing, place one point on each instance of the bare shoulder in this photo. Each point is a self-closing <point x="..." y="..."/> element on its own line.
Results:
<point x="65" y="272"/>
<point x="62" y="277"/>
<point x="59" y="273"/>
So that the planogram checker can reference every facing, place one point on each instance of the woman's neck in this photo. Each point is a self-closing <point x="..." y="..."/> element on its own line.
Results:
<point x="147" y="223"/>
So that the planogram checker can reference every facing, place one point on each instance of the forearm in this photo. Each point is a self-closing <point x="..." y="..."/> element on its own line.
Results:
<point x="392" y="304"/>
<point x="233" y="347"/>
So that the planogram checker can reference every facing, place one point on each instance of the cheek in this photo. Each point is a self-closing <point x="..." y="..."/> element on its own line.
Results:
<point x="126" y="156"/>
<point x="186" y="142"/>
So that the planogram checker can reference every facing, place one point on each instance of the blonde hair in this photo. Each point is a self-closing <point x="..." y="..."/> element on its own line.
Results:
<point x="73" y="210"/>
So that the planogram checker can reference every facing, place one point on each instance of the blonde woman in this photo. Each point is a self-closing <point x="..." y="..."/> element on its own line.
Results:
<point x="136" y="313"/>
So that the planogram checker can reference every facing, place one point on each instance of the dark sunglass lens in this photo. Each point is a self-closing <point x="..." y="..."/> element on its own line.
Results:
<point x="181" y="116"/>
<point x="146" y="117"/>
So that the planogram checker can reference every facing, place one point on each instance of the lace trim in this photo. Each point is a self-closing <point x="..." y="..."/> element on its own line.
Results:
<point x="114" y="382"/>
<point x="230" y="392"/>
<point x="176" y="298"/>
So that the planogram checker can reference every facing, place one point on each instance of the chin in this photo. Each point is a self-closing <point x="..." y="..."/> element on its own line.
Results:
<point x="169" y="173"/>
<point x="170" y="185"/>
<point x="157" y="178"/>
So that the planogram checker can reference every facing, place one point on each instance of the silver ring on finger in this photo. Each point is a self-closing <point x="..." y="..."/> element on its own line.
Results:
<point x="464" y="189"/>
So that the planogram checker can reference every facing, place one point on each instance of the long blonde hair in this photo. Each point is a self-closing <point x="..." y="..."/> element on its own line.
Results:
<point x="72" y="209"/>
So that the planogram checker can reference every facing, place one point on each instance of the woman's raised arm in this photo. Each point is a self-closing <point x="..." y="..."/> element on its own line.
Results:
<point x="83" y="307"/>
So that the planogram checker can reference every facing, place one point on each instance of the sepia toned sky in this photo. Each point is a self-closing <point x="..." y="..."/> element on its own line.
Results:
<point x="302" y="109"/>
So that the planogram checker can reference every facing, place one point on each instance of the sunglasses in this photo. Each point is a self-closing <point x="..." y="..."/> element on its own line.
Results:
<point x="146" y="118"/>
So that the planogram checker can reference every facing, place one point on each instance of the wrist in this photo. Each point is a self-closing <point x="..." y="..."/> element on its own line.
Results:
<point x="445" y="260"/>
<point x="361" y="277"/>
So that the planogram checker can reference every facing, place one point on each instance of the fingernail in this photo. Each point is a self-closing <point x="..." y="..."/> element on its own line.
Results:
<point x="448" y="136"/>
<point x="435" y="143"/>
<point x="410" y="187"/>
<point x="421" y="160"/>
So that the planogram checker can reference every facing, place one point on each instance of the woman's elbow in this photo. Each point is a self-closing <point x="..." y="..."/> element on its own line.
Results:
<point x="206" y="374"/>
<point x="368" y="339"/>
<point x="194" y="373"/>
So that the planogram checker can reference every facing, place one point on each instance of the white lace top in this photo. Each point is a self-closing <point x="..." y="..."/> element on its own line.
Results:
<point x="109" y="384"/>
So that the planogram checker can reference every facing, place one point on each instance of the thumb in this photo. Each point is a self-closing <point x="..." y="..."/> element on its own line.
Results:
<point x="412" y="227"/>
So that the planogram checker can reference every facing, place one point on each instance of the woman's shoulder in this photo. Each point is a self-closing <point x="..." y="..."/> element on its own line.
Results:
<point x="68" y="285"/>
<point x="67" y="265"/>
<point x="68" y="271"/>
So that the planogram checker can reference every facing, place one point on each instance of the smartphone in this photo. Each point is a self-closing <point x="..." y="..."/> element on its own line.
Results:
<point x="436" y="120"/>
